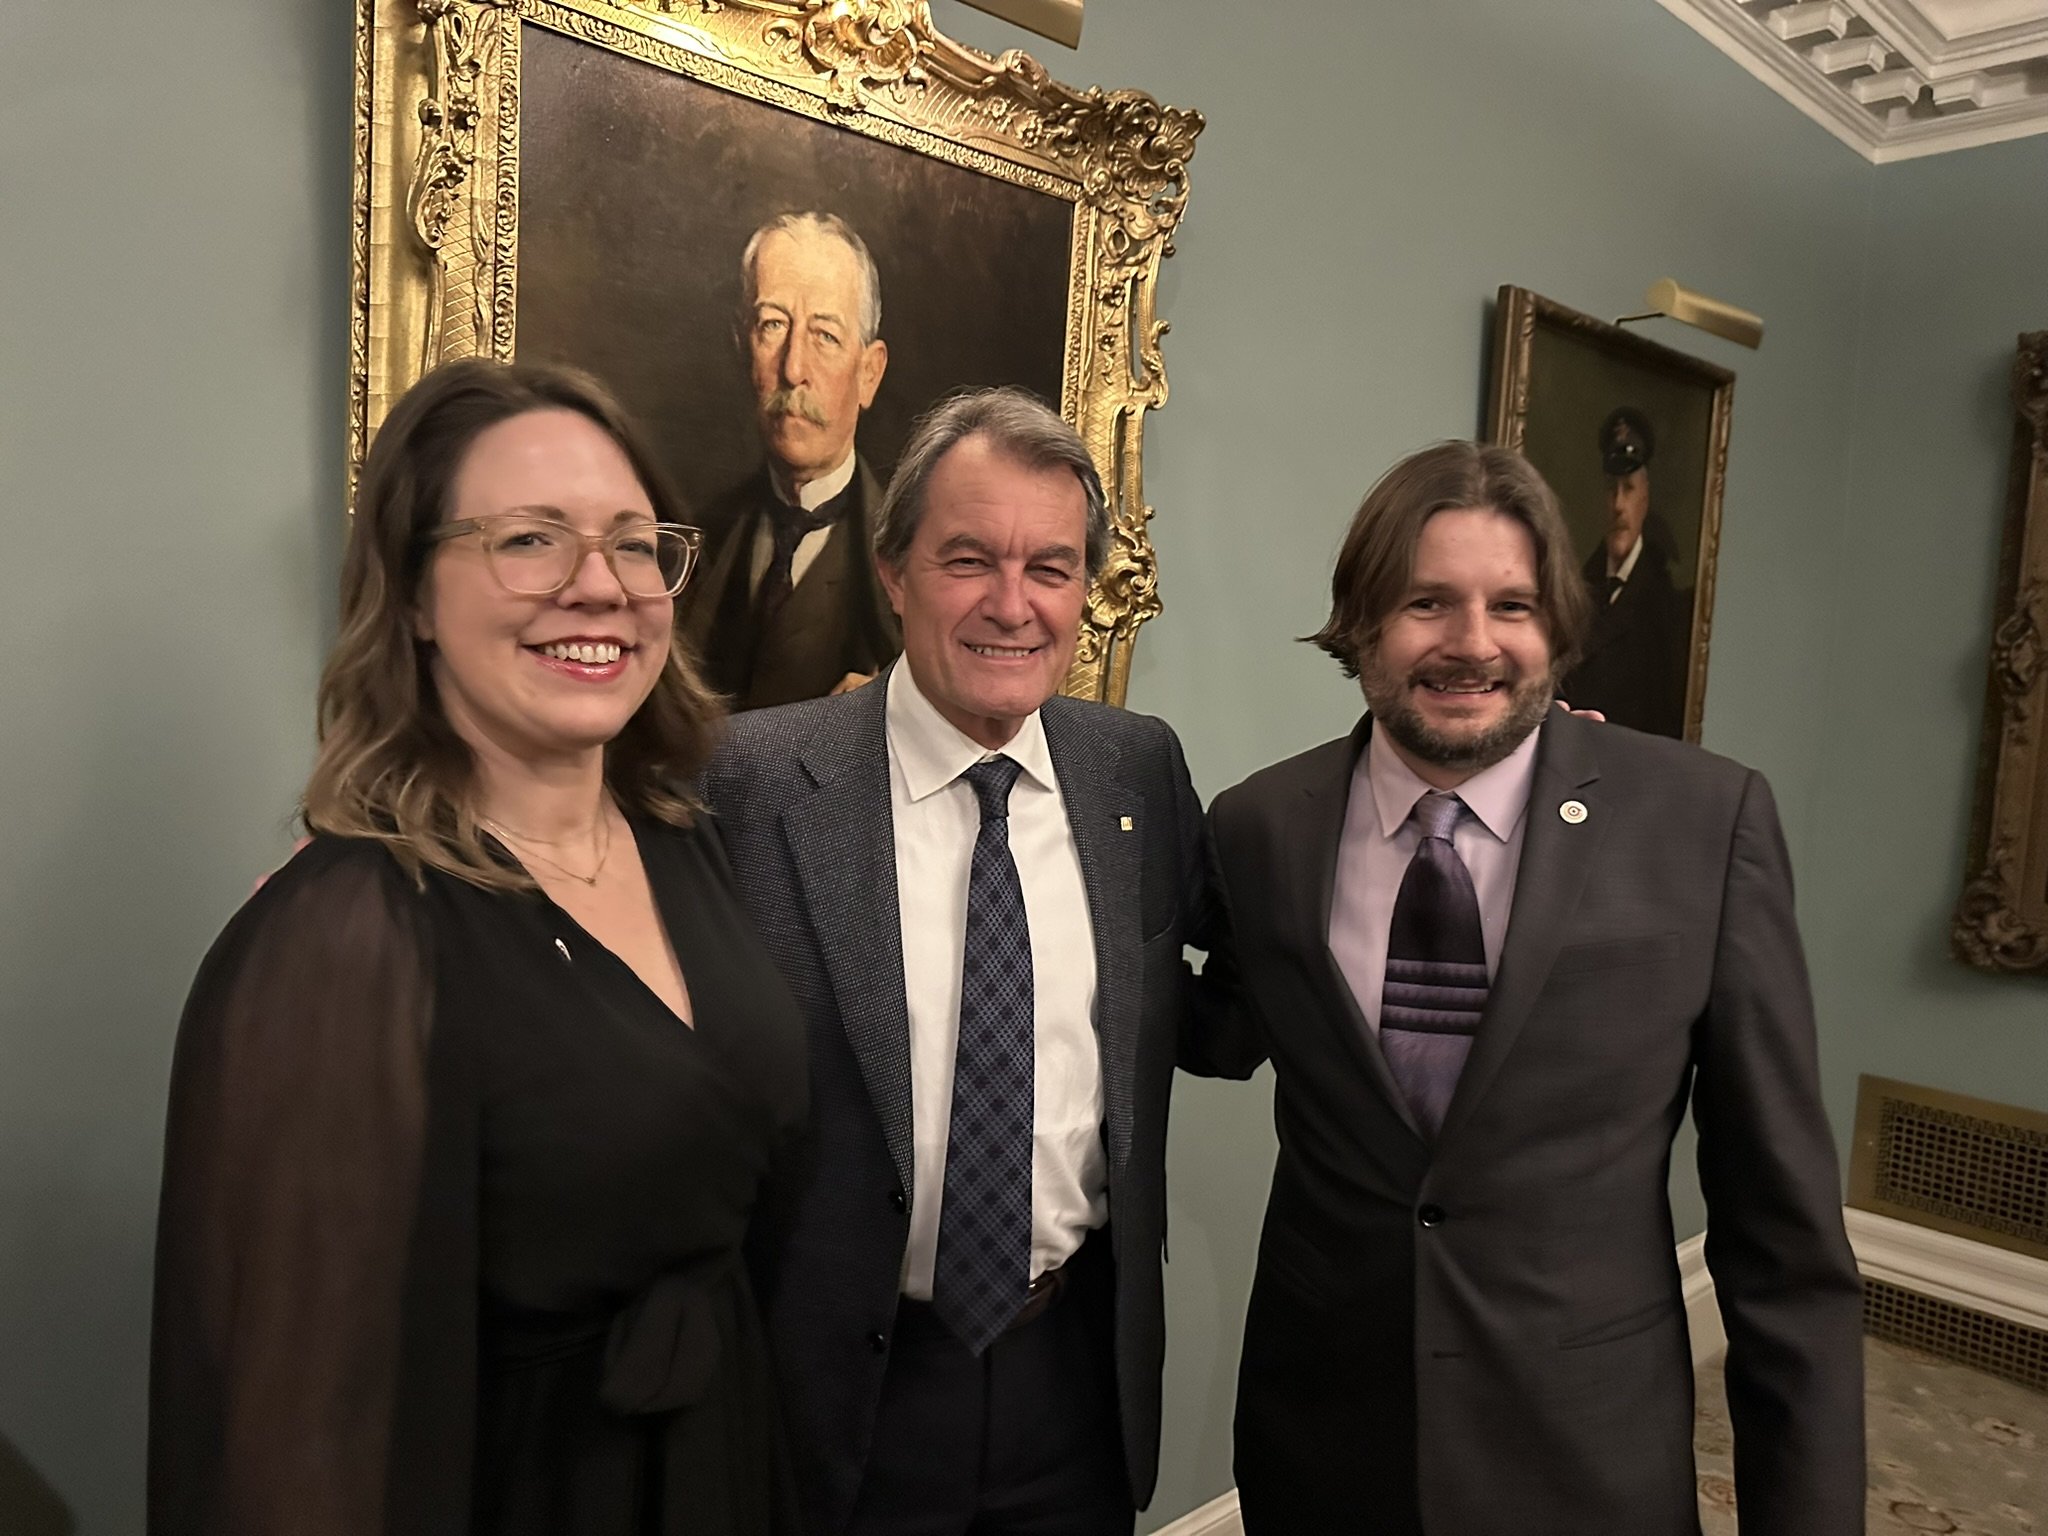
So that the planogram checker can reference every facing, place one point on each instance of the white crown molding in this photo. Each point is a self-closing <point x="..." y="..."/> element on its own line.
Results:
<point x="1937" y="55"/>
<point x="1879" y="75"/>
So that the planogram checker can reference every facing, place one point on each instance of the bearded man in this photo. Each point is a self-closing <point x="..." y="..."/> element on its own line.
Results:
<point x="1493" y="951"/>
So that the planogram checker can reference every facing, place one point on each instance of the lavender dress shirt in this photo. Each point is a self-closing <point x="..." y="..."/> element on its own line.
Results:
<point x="1378" y="841"/>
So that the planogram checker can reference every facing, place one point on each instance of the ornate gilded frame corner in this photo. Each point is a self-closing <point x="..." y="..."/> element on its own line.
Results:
<point x="1518" y="315"/>
<point x="2001" y="921"/>
<point x="435" y="229"/>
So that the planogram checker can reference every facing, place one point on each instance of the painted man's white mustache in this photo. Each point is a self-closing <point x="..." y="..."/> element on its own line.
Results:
<point x="795" y="401"/>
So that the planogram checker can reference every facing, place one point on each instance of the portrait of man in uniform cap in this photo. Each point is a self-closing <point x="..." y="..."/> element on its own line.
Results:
<point x="1634" y="666"/>
<point x="1632" y="436"/>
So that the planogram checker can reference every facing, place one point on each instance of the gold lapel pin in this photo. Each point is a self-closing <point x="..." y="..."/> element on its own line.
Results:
<point x="1125" y="823"/>
<point x="1572" y="812"/>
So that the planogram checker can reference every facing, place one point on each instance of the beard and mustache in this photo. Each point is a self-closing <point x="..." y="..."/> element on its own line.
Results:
<point x="1390" y="699"/>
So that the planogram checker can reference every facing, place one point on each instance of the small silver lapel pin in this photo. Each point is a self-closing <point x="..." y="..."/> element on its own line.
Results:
<point x="565" y="950"/>
<point x="1572" y="812"/>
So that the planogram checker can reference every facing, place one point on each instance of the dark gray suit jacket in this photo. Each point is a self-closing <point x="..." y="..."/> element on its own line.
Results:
<point x="801" y="795"/>
<point x="1488" y="1335"/>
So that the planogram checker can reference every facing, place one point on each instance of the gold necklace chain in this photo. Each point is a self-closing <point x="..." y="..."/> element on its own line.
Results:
<point x="604" y="828"/>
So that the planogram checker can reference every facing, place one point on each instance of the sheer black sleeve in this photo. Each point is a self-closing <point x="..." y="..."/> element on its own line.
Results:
<point x="313" y="1359"/>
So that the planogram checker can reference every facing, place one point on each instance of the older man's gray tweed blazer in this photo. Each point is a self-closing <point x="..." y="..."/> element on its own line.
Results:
<point x="801" y="796"/>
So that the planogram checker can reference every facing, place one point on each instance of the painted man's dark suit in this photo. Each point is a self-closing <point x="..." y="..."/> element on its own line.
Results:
<point x="801" y="795"/>
<point x="1634" y="667"/>
<point x="1487" y="1334"/>
<point x="836" y="620"/>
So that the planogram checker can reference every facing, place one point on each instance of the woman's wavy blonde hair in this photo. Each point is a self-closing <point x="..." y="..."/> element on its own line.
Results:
<point x="390" y="767"/>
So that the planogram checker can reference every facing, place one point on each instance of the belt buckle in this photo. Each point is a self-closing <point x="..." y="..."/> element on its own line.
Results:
<point x="1039" y="1297"/>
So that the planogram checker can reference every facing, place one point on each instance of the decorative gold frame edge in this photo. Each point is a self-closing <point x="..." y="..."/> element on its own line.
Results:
<point x="875" y="66"/>
<point x="1517" y="313"/>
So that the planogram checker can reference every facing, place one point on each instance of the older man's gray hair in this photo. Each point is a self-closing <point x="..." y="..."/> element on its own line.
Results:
<point x="1016" y="423"/>
<point x="830" y="226"/>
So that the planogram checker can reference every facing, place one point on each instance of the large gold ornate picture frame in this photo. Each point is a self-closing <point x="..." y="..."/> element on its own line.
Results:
<point x="1633" y="437"/>
<point x="2002" y="919"/>
<point x="573" y="180"/>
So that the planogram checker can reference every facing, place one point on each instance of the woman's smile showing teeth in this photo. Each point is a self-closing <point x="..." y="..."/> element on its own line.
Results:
<point x="582" y="657"/>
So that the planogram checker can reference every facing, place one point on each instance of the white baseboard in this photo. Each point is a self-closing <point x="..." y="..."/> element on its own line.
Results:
<point x="1218" y="1517"/>
<point x="1954" y="1269"/>
<point x="1917" y="1259"/>
<point x="1702" y="1315"/>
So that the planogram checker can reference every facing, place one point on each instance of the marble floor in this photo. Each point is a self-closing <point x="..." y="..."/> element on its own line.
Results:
<point x="1951" y="1450"/>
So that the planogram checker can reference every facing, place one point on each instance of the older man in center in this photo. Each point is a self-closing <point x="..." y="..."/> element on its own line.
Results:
<point x="979" y="892"/>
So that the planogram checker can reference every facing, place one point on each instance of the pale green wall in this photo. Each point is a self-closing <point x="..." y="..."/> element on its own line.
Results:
<point x="1958" y="266"/>
<point x="171" y="369"/>
<point x="173" y="289"/>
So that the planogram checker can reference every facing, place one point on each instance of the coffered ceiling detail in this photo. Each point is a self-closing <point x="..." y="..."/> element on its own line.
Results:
<point x="1893" y="78"/>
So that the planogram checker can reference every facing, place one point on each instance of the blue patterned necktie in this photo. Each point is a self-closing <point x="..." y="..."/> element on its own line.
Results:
<point x="1436" y="967"/>
<point x="984" y="1260"/>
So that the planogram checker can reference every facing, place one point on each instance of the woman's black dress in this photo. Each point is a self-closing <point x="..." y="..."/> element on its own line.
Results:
<point x="452" y="1215"/>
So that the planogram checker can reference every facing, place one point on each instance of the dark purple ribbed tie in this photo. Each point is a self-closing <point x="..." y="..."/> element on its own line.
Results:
<point x="983" y="1270"/>
<point x="1436" y="967"/>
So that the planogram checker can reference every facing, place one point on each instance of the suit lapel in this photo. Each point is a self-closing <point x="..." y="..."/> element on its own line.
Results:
<point x="1557" y="856"/>
<point x="842" y="841"/>
<point x="1315" y="838"/>
<point x="719" y="600"/>
<point x="1112" y="869"/>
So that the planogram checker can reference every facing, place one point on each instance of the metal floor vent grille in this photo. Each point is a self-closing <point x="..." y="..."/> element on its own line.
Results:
<point x="1941" y="1328"/>
<point x="1960" y="1165"/>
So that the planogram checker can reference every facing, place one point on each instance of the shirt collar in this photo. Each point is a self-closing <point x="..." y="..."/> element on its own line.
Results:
<point x="1497" y="796"/>
<point x="813" y="494"/>
<point x="932" y="752"/>
<point x="1627" y="568"/>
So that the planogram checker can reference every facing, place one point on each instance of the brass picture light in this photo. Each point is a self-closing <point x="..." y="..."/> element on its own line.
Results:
<point x="1059" y="20"/>
<point x="1667" y="298"/>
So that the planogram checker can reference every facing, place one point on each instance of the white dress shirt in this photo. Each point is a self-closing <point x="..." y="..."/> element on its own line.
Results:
<point x="937" y="818"/>
<point x="1626" y="568"/>
<point x="1379" y="840"/>
<point x="811" y="495"/>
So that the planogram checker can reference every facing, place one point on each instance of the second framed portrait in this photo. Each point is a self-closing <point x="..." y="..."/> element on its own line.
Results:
<point x="1633" y="437"/>
<point x="778" y="232"/>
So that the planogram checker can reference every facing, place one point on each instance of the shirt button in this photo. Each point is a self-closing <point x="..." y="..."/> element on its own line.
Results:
<point x="896" y="1200"/>
<point x="879" y="1343"/>
<point x="1430" y="1215"/>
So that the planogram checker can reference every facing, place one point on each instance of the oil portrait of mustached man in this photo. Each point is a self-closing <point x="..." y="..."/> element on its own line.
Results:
<point x="777" y="299"/>
<point x="789" y="605"/>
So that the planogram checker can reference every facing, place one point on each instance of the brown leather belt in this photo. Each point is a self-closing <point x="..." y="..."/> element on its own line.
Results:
<point x="1038" y="1300"/>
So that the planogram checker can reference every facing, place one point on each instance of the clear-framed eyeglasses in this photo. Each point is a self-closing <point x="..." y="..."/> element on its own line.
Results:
<point x="535" y="556"/>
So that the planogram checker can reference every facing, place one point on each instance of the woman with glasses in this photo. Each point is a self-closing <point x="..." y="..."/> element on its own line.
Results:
<point x="473" y="1099"/>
